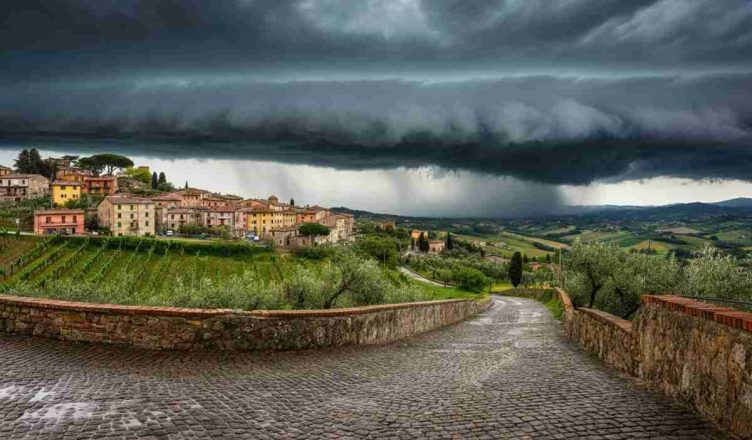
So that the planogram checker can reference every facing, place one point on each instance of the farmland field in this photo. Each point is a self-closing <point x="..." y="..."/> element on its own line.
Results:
<point x="156" y="272"/>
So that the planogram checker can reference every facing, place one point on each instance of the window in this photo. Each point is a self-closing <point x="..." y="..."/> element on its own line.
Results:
<point x="119" y="225"/>
<point x="147" y="223"/>
<point x="120" y="215"/>
<point x="63" y="219"/>
<point x="49" y="219"/>
<point x="120" y="206"/>
<point x="131" y="216"/>
<point x="147" y="214"/>
<point x="75" y="219"/>
<point x="131" y="207"/>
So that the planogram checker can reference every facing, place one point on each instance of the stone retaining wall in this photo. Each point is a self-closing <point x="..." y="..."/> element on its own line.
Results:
<point x="695" y="352"/>
<point x="606" y="336"/>
<point x="217" y="329"/>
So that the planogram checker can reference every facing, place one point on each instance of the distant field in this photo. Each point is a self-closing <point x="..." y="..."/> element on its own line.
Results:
<point x="743" y="236"/>
<point x="515" y="243"/>
<point x="658" y="246"/>
<point x="587" y="236"/>
<point x="680" y="230"/>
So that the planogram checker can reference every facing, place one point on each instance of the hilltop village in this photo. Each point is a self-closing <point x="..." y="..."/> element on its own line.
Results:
<point x="116" y="204"/>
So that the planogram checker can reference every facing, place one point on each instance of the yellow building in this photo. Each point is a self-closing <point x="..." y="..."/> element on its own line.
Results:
<point x="63" y="191"/>
<point x="262" y="220"/>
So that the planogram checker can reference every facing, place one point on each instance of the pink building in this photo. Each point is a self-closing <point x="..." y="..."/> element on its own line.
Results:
<point x="59" y="221"/>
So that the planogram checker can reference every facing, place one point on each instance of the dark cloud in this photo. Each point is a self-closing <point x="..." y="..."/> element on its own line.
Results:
<point x="542" y="129"/>
<point x="625" y="91"/>
<point x="92" y="39"/>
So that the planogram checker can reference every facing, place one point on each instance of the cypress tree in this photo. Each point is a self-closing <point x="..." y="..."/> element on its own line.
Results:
<point x="515" y="269"/>
<point x="154" y="180"/>
<point x="292" y="202"/>
<point x="449" y="244"/>
<point x="423" y="243"/>
<point x="162" y="178"/>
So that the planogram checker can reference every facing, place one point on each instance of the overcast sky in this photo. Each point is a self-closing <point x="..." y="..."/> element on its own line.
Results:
<point x="570" y="101"/>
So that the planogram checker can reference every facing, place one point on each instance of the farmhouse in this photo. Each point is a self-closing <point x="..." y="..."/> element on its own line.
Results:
<point x="63" y="191"/>
<point x="15" y="187"/>
<point x="435" y="246"/>
<point x="59" y="221"/>
<point x="127" y="215"/>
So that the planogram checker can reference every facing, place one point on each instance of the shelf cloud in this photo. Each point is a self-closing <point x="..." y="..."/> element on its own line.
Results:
<point x="543" y="129"/>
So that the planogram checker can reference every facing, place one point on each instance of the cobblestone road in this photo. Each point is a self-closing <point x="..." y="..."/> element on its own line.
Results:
<point x="505" y="374"/>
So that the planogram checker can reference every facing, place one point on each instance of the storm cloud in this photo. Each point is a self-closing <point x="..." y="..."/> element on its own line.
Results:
<point x="543" y="129"/>
<point x="566" y="92"/>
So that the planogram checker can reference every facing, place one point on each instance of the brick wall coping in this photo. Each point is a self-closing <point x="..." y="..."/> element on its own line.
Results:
<point x="44" y="303"/>
<point x="566" y="302"/>
<point x="712" y="312"/>
<point x="608" y="319"/>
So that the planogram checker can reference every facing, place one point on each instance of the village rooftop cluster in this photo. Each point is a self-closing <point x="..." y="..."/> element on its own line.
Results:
<point x="123" y="213"/>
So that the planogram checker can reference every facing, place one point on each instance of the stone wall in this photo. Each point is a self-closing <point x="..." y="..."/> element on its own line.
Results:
<point x="606" y="336"/>
<point x="698" y="353"/>
<point x="196" y="329"/>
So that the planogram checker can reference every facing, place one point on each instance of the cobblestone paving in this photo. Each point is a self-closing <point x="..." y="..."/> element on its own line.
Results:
<point x="508" y="373"/>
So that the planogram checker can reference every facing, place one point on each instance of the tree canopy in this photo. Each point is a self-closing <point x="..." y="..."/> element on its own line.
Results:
<point x="141" y="174"/>
<point x="313" y="229"/>
<point x="107" y="163"/>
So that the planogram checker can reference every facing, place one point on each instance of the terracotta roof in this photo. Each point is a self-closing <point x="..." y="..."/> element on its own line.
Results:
<point x="66" y="183"/>
<point x="3" y="167"/>
<point x="58" y="211"/>
<point x="21" y="176"/>
<point x="167" y="197"/>
<point x="182" y="211"/>
<point x="120" y="200"/>
<point x="99" y="178"/>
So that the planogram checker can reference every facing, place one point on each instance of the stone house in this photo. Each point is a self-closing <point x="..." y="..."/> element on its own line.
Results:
<point x="70" y="174"/>
<point x="4" y="171"/>
<point x="102" y="185"/>
<point x="220" y="216"/>
<point x="59" y="221"/>
<point x="435" y="246"/>
<point x="15" y="187"/>
<point x="176" y="217"/>
<point x="129" y="182"/>
<point x="161" y="204"/>
<point x="127" y="215"/>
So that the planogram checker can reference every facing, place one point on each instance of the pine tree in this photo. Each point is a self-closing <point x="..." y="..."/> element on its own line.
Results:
<point x="515" y="269"/>
<point x="23" y="162"/>
<point x="35" y="162"/>
<point x="154" y="180"/>
<point x="162" y="178"/>
<point x="449" y="243"/>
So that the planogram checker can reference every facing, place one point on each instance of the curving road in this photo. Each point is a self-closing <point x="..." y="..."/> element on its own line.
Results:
<point x="508" y="373"/>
